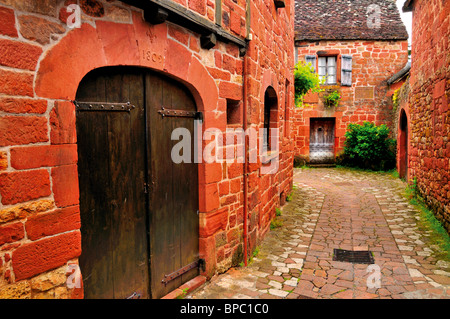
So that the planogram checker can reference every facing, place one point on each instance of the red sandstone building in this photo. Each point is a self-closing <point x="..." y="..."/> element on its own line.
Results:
<point x="424" y="114"/>
<point x="355" y="46"/>
<point x="90" y="94"/>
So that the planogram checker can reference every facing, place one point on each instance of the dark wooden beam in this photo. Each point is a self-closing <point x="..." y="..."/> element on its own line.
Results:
<point x="156" y="15"/>
<point x="184" y="17"/>
<point x="208" y="41"/>
<point x="218" y="9"/>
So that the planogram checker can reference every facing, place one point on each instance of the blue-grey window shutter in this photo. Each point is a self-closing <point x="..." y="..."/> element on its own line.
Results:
<point x="346" y="70"/>
<point x="311" y="59"/>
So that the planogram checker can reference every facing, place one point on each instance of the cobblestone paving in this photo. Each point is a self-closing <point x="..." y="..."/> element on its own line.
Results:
<point x="345" y="209"/>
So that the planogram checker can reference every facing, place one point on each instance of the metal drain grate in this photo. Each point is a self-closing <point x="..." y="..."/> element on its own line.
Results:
<point x="356" y="257"/>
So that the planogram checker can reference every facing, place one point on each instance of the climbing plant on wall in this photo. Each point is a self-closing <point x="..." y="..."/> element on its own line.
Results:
<point x="305" y="80"/>
<point x="332" y="99"/>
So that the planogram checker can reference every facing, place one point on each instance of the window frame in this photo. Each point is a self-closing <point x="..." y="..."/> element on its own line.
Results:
<point x="327" y="67"/>
<point x="329" y="53"/>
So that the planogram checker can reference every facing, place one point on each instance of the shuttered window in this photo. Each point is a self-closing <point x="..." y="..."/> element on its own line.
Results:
<point x="327" y="69"/>
<point x="346" y="70"/>
<point x="311" y="59"/>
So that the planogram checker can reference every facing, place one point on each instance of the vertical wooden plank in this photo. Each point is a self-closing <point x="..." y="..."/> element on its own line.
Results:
<point x="174" y="198"/>
<point x="115" y="170"/>
<point x="127" y="197"/>
<point x="248" y="18"/>
<point x="92" y="136"/>
<point x="218" y="9"/>
<point x="161" y="202"/>
<point x="186" y="189"/>
<point x="138" y="178"/>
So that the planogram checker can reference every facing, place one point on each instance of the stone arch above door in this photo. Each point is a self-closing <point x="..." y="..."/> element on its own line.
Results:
<point x="112" y="44"/>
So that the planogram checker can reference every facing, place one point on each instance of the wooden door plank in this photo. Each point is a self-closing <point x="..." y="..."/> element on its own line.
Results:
<point x="161" y="202"/>
<point x="96" y="257"/>
<point x="186" y="190"/>
<point x="119" y="157"/>
<point x="173" y="187"/>
<point x="138" y="178"/>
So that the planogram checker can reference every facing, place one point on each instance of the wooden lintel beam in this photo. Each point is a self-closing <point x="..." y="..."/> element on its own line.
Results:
<point x="184" y="17"/>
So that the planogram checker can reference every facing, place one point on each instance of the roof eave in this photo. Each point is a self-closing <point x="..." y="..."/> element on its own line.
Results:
<point x="298" y="38"/>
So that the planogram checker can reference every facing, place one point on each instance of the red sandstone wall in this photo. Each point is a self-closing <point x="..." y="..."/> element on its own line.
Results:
<point x="428" y="103"/>
<point x="374" y="62"/>
<point x="41" y="63"/>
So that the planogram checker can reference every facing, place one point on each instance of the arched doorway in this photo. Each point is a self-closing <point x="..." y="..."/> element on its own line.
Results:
<point x="403" y="145"/>
<point x="139" y="220"/>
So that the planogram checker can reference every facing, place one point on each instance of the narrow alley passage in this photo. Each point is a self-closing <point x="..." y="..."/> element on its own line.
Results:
<point x="341" y="209"/>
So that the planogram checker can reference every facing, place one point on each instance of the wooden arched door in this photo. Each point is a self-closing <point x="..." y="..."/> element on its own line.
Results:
<point x="139" y="209"/>
<point x="321" y="141"/>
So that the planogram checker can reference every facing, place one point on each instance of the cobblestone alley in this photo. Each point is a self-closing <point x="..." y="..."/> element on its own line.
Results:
<point x="341" y="209"/>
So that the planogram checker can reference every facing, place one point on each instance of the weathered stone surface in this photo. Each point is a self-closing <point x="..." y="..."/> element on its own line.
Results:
<point x="45" y="7"/>
<point x="24" y="210"/>
<point x="39" y="29"/>
<point x="118" y="14"/>
<point x="19" y="290"/>
<point x="16" y="83"/>
<point x="49" y="280"/>
<point x="92" y="8"/>
<point x="22" y="105"/>
<point x="22" y="186"/>
<point x="3" y="161"/>
<point x="34" y="258"/>
<point x="8" y="22"/>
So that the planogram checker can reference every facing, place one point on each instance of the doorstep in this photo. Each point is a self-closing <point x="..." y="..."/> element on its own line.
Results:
<point x="186" y="288"/>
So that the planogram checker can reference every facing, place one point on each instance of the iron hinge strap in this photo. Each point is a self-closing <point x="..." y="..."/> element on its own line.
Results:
<point x="168" y="278"/>
<point x="180" y="113"/>
<point x="103" y="106"/>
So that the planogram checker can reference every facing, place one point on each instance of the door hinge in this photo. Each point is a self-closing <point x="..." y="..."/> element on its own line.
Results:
<point x="134" y="295"/>
<point x="103" y="106"/>
<point x="200" y="264"/>
<point x="164" y="112"/>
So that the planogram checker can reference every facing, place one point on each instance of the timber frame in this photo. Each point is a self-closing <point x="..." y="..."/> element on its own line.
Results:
<point x="159" y="11"/>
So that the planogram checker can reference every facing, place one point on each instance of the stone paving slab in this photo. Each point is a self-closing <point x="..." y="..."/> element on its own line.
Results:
<point x="344" y="209"/>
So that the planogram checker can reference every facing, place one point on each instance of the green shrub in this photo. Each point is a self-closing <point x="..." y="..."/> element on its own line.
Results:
<point x="368" y="146"/>
<point x="305" y="80"/>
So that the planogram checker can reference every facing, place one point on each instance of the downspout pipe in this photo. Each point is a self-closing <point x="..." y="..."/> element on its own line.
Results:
<point x="245" y="182"/>
<point x="244" y="126"/>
